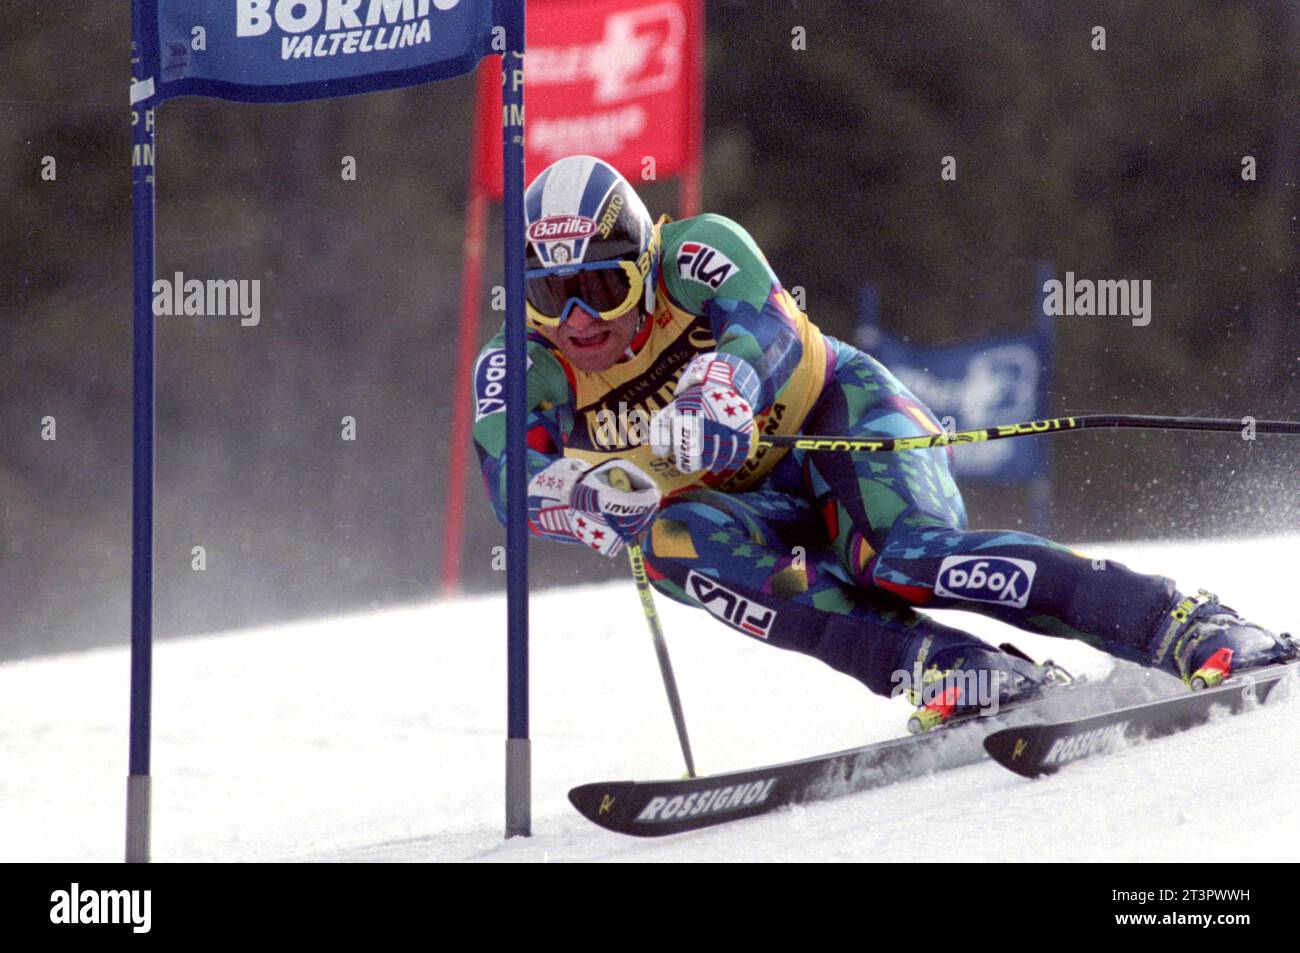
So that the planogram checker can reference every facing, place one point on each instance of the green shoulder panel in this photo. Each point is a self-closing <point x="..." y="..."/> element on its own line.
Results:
<point x="548" y="390"/>
<point x="710" y="256"/>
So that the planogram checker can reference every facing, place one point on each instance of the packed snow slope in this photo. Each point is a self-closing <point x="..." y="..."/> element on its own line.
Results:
<point x="380" y="737"/>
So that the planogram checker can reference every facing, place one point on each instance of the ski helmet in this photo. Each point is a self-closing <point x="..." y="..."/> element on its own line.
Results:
<point x="591" y="244"/>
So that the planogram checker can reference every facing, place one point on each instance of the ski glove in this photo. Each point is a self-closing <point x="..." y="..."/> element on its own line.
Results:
<point x="709" y="424"/>
<point x="594" y="506"/>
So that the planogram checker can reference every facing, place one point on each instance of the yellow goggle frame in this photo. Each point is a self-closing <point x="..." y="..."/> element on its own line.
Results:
<point x="637" y="274"/>
<point x="635" y="288"/>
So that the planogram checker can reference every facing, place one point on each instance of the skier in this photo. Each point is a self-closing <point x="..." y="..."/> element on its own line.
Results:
<point x="665" y="349"/>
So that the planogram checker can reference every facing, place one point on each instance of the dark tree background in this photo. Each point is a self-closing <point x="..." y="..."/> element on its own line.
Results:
<point x="1118" y="164"/>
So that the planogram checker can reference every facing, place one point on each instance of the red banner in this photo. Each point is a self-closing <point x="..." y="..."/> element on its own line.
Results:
<point x="617" y="79"/>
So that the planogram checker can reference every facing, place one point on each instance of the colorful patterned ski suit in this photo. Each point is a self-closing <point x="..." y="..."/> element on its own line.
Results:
<point x="826" y="553"/>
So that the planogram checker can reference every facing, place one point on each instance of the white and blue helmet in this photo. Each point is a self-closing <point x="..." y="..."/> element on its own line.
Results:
<point x="583" y="219"/>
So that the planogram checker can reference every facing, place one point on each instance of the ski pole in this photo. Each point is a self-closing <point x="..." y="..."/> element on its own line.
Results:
<point x="1029" y="429"/>
<point x="618" y="479"/>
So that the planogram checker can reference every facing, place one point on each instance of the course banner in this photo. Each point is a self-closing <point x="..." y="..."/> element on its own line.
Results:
<point x="609" y="78"/>
<point x="291" y="50"/>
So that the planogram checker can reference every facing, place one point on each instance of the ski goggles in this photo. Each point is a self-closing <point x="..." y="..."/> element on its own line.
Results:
<point x="603" y="289"/>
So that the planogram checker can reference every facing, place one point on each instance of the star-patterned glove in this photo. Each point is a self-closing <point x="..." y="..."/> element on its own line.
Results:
<point x="709" y="424"/>
<point x="601" y="507"/>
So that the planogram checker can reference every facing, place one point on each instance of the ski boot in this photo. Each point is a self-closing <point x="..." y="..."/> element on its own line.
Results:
<point x="980" y="680"/>
<point x="1203" y="641"/>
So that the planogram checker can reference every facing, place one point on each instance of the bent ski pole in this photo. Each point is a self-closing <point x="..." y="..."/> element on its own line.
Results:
<point x="634" y="556"/>
<point x="1029" y="429"/>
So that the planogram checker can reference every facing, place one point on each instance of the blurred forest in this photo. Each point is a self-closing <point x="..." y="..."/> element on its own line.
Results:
<point x="1118" y="164"/>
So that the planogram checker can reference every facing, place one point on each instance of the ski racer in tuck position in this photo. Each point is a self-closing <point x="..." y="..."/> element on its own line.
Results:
<point x="684" y="326"/>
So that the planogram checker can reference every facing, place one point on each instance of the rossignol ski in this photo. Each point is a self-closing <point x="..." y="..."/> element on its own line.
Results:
<point x="656" y="808"/>
<point x="1033" y="750"/>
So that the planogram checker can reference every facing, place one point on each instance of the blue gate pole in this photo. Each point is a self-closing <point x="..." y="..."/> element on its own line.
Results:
<point x="518" y="759"/>
<point x="142" y="253"/>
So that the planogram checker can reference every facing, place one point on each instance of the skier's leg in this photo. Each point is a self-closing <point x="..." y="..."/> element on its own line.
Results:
<point x="752" y="560"/>
<point x="899" y="524"/>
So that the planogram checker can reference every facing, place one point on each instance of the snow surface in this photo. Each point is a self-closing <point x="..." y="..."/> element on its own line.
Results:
<point x="380" y="737"/>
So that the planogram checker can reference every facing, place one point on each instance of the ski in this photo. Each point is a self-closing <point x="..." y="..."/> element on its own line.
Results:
<point x="1033" y="750"/>
<point x="657" y="808"/>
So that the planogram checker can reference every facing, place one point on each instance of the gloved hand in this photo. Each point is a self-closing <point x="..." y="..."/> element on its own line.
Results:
<point x="709" y="423"/>
<point x="594" y="506"/>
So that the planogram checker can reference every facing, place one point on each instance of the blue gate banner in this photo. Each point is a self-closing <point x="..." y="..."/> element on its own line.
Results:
<point x="290" y="50"/>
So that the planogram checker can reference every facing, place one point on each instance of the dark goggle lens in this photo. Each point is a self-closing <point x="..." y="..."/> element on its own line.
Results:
<point x="602" y="288"/>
